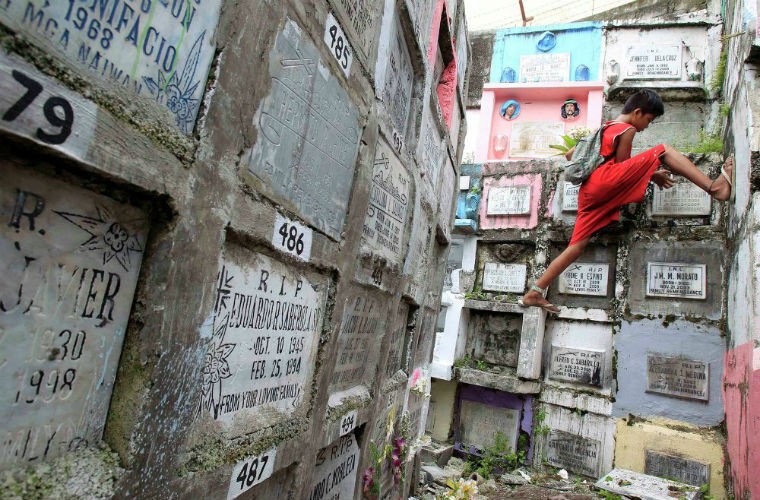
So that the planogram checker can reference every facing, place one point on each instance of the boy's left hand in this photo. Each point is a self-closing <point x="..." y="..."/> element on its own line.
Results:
<point x="663" y="179"/>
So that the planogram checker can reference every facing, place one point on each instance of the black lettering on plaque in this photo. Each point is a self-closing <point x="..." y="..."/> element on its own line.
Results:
<point x="18" y="209"/>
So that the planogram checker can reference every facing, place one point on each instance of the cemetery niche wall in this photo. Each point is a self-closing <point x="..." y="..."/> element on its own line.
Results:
<point x="213" y="287"/>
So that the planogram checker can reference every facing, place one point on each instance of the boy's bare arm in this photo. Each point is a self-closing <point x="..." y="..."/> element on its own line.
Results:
<point x="624" y="145"/>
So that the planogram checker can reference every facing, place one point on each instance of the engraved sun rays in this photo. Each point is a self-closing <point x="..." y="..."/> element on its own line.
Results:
<point x="116" y="240"/>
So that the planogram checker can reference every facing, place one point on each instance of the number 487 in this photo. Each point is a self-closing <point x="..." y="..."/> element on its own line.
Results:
<point x="248" y="474"/>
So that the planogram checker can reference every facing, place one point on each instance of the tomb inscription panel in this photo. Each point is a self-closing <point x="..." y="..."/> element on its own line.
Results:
<point x="70" y="261"/>
<point x="397" y="91"/>
<point x="570" y="197"/>
<point x="309" y="134"/>
<point x="335" y="470"/>
<point x="577" y="365"/>
<point x="504" y="277"/>
<point x="545" y="67"/>
<point x="653" y="62"/>
<point x="574" y="453"/>
<point x="479" y="424"/>
<point x="532" y="139"/>
<point x="509" y="200"/>
<point x="670" y="279"/>
<point x="678" y="468"/>
<point x="585" y="279"/>
<point x="677" y="376"/>
<point x="684" y="198"/>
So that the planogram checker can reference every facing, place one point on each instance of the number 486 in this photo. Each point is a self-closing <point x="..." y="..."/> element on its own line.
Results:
<point x="291" y="238"/>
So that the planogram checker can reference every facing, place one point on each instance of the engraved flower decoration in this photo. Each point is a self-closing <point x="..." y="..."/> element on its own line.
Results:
<point x="215" y="369"/>
<point x="176" y="92"/>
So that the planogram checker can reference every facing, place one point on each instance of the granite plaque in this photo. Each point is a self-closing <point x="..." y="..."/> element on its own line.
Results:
<point x="653" y="62"/>
<point x="570" y="197"/>
<point x="532" y="139"/>
<point x="684" y="198"/>
<point x="309" y="134"/>
<point x="358" y="343"/>
<point x="446" y="198"/>
<point x="161" y="50"/>
<point x="464" y="182"/>
<point x="510" y="200"/>
<point x="667" y="279"/>
<point x="577" y="365"/>
<point x="70" y="263"/>
<point x="545" y="67"/>
<point x="461" y="46"/>
<point x="361" y="18"/>
<point x="264" y="332"/>
<point x="430" y="150"/>
<point x="679" y="377"/>
<point x="397" y="92"/>
<point x="479" y="423"/>
<point x="585" y="279"/>
<point x="335" y="470"/>
<point x="395" y="361"/>
<point x="386" y="221"/>
<point x="421" y="12"/>
<point x="574" y="453"/>
<point x="504" y="277"/>
<point x="677" y="468"/>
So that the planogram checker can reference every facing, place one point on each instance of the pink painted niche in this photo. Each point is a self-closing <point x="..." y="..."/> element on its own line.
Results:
<point x="539" y="122"/>
<point x="513" y="202"/>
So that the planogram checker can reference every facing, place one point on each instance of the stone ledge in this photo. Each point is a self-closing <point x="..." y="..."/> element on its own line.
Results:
<point x="494" y="306"/>
<point x="507" y="381"/>
<point x="638" y="485"/>
<point x="669" y="91"/>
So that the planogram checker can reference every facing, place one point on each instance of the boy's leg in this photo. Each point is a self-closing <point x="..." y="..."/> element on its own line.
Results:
<point x="567" y="257"/>
<point x="719" y="188"/>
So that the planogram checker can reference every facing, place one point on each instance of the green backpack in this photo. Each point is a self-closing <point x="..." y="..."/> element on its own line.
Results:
<point x="586" y="157"/>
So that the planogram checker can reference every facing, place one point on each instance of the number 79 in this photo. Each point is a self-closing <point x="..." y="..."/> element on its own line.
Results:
<point x="49" y="109"/>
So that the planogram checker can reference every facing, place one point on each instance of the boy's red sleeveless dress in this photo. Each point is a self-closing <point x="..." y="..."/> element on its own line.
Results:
<point x="613" y="185"/>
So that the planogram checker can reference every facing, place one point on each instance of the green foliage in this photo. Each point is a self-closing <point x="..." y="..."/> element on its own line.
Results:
<point x="464" y="362"/>
<point x="708" y="143"/>
<point x="716" y="84"/>
<point x="609" y="496"/>
<point x="724" y="109"/>
<point x="705" y="491"/>
<point x="496" y="457"/>
<point x="475" y="295"/>
<point x="481" y="365"/>
<point x="571" y="139"/>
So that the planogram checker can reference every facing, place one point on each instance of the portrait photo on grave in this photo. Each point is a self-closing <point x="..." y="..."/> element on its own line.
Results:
<point x="570" y="109"/>
<point x="510" y="109"/>
<point x="621" y="179"/>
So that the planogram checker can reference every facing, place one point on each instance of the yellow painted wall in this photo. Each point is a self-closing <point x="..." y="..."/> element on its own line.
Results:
<point x="673" y="438"/>
<point x="442" y="393"/>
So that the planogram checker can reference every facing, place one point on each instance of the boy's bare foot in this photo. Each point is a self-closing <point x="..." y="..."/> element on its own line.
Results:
<point x="535" y="299"/>
<point x="721" y="186"/>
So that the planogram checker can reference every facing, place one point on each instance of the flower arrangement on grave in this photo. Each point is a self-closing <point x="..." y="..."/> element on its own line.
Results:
<point x="463" y="489"/>
<point x="571" y="139"/>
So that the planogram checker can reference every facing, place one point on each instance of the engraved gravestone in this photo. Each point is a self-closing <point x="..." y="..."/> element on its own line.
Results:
<point x="533" y="139"/>
<point x="504" y="277"/>
<point x="446" y="198"/>
<point x="479" y="423"/>
<point x="361" y="18"/>
<point x="684" y="198"/>
<point x="653" y="62"/>
<point x="421" y="12"/>
<point x="583" y="366"/>
<point x="385" y="224"/>
<point x="264" y="334"/>
<point x="309" y="134"/>
<point x="570" y="197"/>
<point x="676" y="468"/>
<point x="160" y="50"/>
<point x="70" y="263"/>
<point x="461" y="45"/>
<point x="510" y="200"/>
<point x="573" y="452"/>
<point x="585" y="279"/>
<point x="430" y="150"/>
<point x="335" y="470"/>
<point x="677" y="376"/>
<point x="397" y="92"/>
<point x="545" y="67"/>
<point x="358" y="343"/>
<point x="395" y="360"/>
<point x="669" y="279"/>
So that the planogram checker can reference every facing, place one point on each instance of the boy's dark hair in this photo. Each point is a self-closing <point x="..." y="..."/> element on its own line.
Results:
<point x="647" y="100"/>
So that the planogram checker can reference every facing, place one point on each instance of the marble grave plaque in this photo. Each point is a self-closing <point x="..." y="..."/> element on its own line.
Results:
<point x="358" y="343"/>
<point x="159" y="50"/>
<point x="361" y="20"/>
<point x="504" y="277"/>
<point x="395" y="361"/>
<point x="684" y="198"/>
<point x="583" y="278"/>
<point x="70" y="264"/>
<point x="545" y="67"/>
<point x="479" y="423"/>
<point x="309" y="134"/>
<point x="653" y="62"/>
<point x="532" y="139"/>
<point x="679" y="377"/>
<point x="509" y="200"/>
<point x="264" y="333"/>
<point x="574" y="453"/>
<point x="677" y="468"/>
<point x="385" y="225"/>
<point x="430" y="150"/>
<point x="582" y="366"/>
<point x="669" y="279"/>
<point x="335" y="470"/>
<point x="399" y="77"/>
<point x="570" y="197"/>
